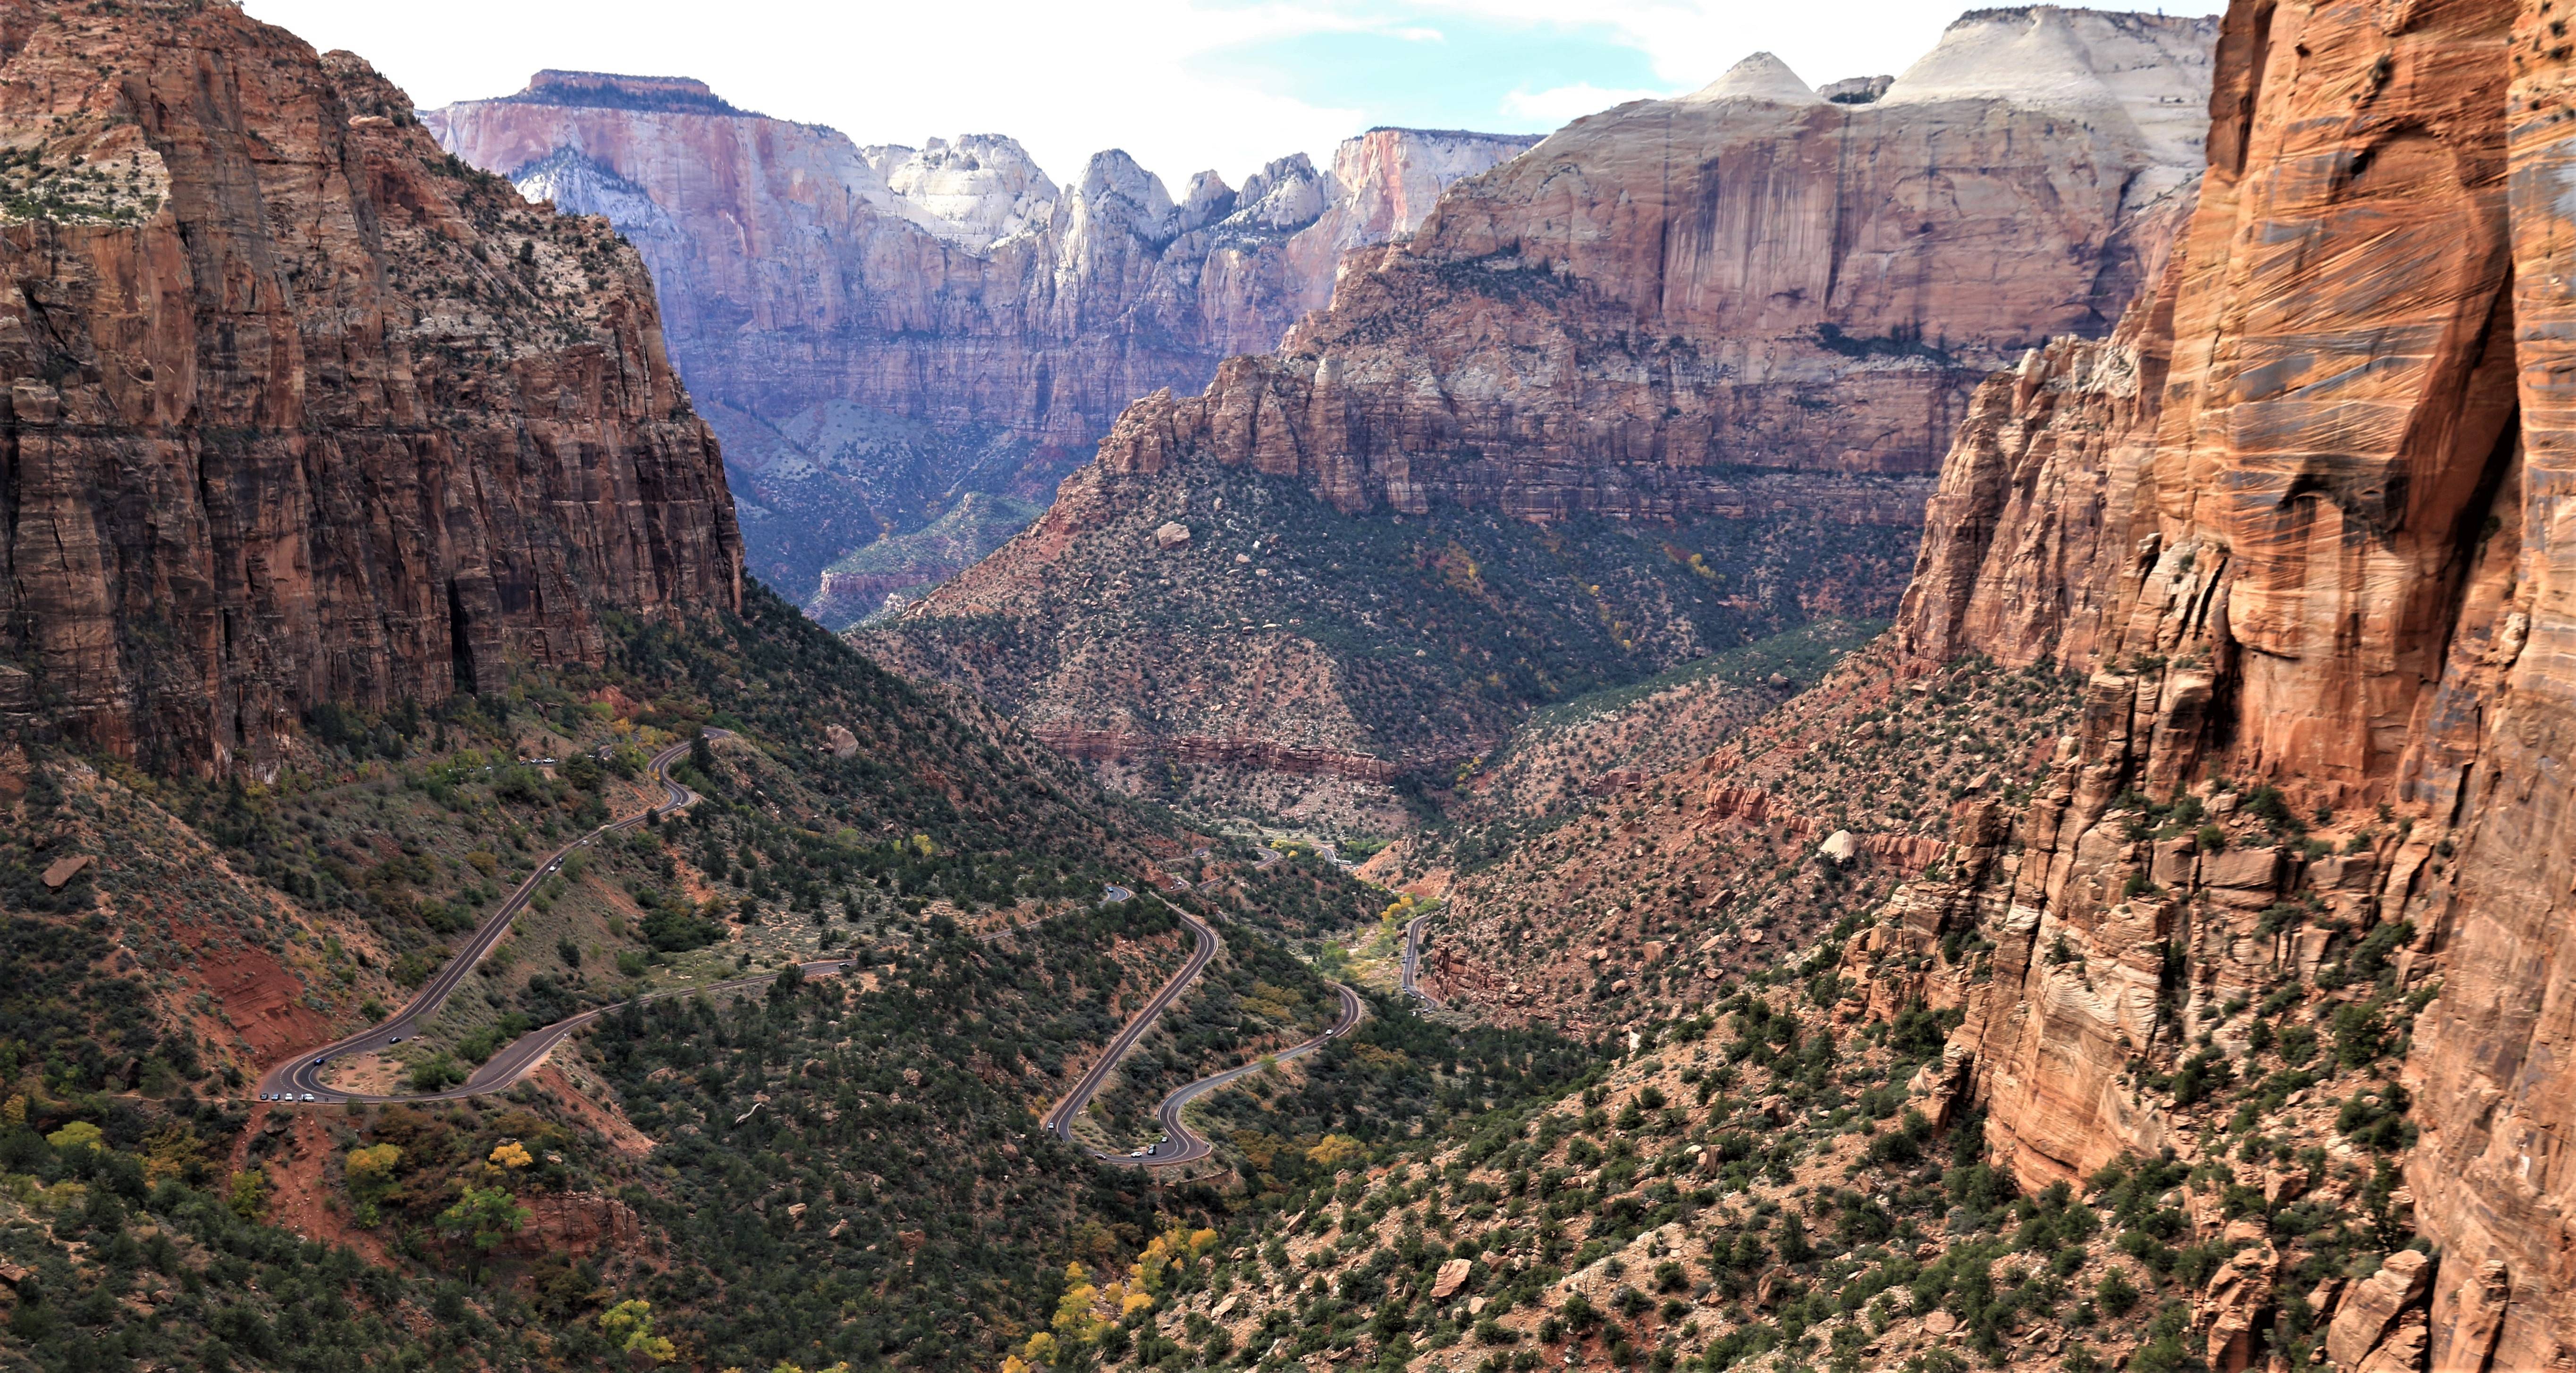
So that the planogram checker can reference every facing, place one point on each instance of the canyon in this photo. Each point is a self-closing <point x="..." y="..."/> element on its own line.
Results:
<point x="2294" y="535"/>
<point x="307" y="416"/>
<point x="1702" y="356"/>
<point x="2153" y="939"/>
<point x="875" y="331"/>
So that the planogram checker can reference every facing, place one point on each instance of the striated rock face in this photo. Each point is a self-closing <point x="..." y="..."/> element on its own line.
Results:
<point x="1665" y="295"/>
<point x="299" y="409"/>
<point x="2030" y="528"/>
<point x="1750" y="307"/>
<point x="872" y="330"/>
<point x="2331" y="552"/>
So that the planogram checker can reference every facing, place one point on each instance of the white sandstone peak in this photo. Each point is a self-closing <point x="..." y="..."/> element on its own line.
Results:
<point x="974" y="192"/>
<point x="2152" y="70"/>
<point x="1115" y="190"/>
<point x="1762" y="77"/>
<point x="1207" y="200"/>
<point x="1287" y="194"/>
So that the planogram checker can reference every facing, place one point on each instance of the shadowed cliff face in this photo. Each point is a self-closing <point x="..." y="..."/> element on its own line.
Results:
<point x="2329" y="551"/>
<point x="301" y="409"/>
<point x="874" y="330"/>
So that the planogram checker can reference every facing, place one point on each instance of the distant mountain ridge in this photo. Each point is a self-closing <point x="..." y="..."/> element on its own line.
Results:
<point x="821" y="296"/>
<point x="609" y="91"/>
<point x="1743" y="323"/>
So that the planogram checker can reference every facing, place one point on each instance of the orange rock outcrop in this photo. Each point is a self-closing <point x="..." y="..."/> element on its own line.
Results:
<point x="1665" y="300"/>
<point x="301" y="410"/>
<point x="2328" y="551"/>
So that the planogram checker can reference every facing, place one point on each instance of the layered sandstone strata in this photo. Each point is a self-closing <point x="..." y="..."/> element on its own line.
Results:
<point x="2328" y="552"/>
<point x="1664" y="295"/>
<point x="873" y="329"/>
<point x="1750" y="305"/>
<point x="299" y="409"/>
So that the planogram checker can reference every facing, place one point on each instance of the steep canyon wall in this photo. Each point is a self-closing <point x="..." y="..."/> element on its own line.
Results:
<point x="300" y="409"/>
<point x="2304" y="520"/>
<point x="1726" y="336"/>
<point x="875" y="329"/>
<point x="1666" y="297"/>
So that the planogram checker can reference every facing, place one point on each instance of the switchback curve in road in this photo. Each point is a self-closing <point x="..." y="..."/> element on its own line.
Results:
<point x="293" y="1079"/>
<point x="299" y="1079"/>
<point x="1183" y="1145"/>
<point x="1059" y="1120"/>
<point x="1179" y="1144"/>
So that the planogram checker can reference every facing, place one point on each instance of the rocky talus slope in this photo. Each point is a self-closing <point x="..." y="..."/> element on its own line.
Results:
<point x="1224" y="641"/>
<point x="1559" y="758"/>
<point x="873" y="329"/>
<point x="300" y="408"/>
<point x="1749" y="304"/>
<point x="1638" y="908"/>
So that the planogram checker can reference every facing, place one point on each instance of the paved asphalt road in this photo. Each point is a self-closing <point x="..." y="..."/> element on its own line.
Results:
<point x="1413" y="957"/>
<point x="303" y="1074"/>
<point x="1179" y="1144"/>
<point x="301" y="1078"/>
<point x="1059" y="1122"/>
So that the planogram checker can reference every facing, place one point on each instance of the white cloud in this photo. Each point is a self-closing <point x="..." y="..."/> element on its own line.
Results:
<point x="1558" y="105"/>
<point x="1690" y="42"/>
<point x="1069" y="79"/>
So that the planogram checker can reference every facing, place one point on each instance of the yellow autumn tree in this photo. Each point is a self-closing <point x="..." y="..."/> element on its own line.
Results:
<point x="248" y="1194"/>
<point x="629" y="1326"/>
<point x="170" y="1152"/>
<point x="1334" y="1151"/>
<point x="1151" y="1271"/>
<point x="371" y="1171"/>
<point x="512" y="1155"/>
<point x="1076" y="1324"/>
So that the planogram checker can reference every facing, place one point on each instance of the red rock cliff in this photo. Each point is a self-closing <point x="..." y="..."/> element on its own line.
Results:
<point x="1750" y="310"/>
<point x="870" y="327"/>
<point x="2331" y="552"/>
<point x="1665" y="296"/>
<point x="301" y="409"/>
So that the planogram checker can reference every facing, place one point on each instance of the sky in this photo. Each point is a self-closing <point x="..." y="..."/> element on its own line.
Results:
<point x="1180" y="84"/>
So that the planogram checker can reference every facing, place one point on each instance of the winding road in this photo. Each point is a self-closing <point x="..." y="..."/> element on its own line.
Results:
<point x="1413" y="958"/>
<point x="300" y="1079"/>
<point x="1178" y="1144"/>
